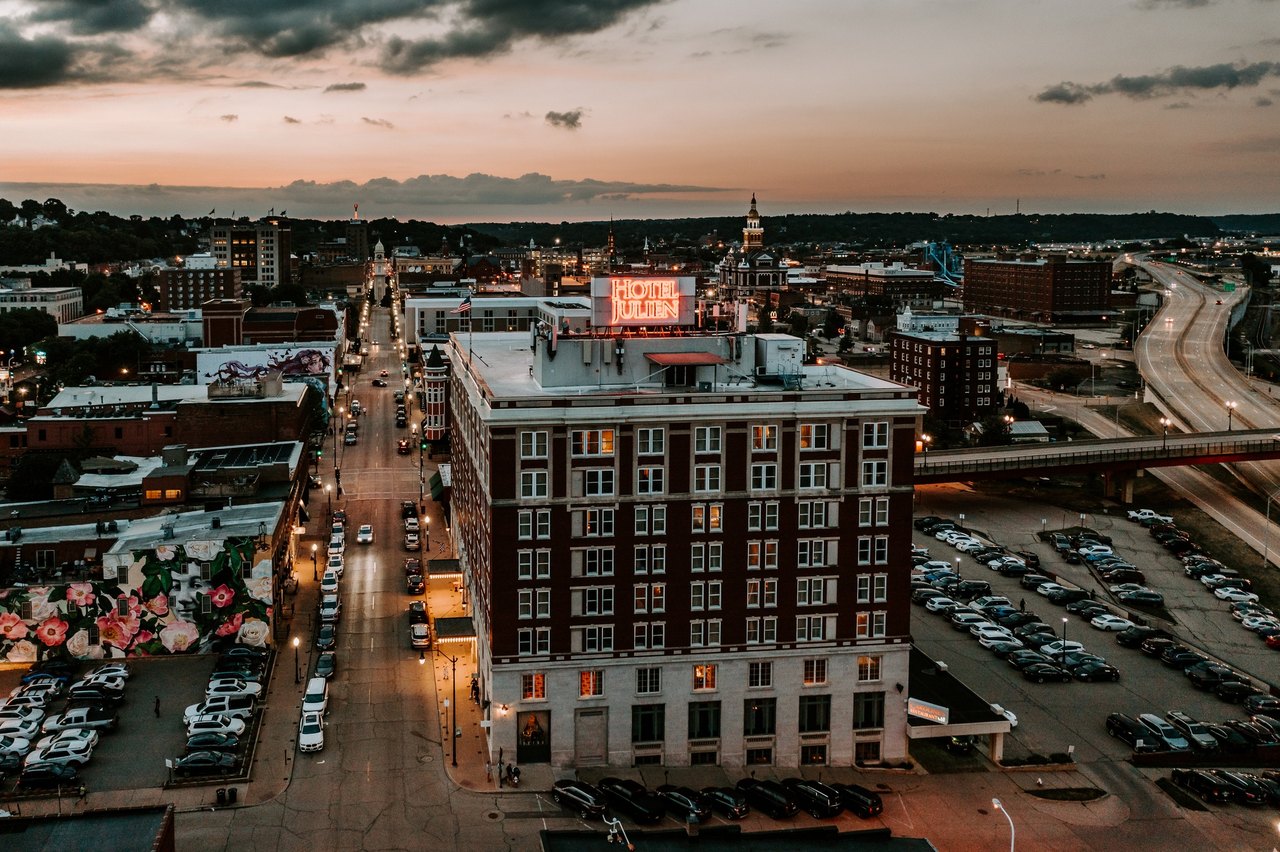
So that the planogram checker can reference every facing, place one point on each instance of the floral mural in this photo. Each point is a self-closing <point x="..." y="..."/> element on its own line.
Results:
<point x="173" y="599"/>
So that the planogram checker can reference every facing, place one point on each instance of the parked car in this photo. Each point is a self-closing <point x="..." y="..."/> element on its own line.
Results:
<point x="72" y="753"/>
<point x="1129" y="730"/>
<point x="1032" y="581"/>
<point x="311" y="732"/>
<point x="579" y="796"/>
<point x="1095" y="671"/>
<point x="1231" y="742"/>
<point x="87" y="716"/>
<point x="859" y="801"/>
<point x="232" y="686"/>
<point x="326" y="664"/>
<point x="1246" y="790"/>
<point x="1110" y="622"/>
<point x="48" y="775"/>
<point x="726" y="801"/>
<point x="769" y="797"/>
<point x="215" y="723"/>
<point x="326" y="637"/>
<point x="683" y="803"/>
<point x="1169" y="737"/>
<point x="1041" y="672"/>
<point x="212" y="741"/>
<point x="238" y="706"/>
<point x="330" y="609"/>
<point x="414" y="584"/>
<point x="1234" y="692"/>
<point x="419" y="636"/>
<point x="206" y="763"/>
<point x="1192" y="731"/>
<point x="1204" y="784"/>
<point x="817" y="799"/>
<point x="632" y="798"/>
<point x="93" y="693"/>
<point x="412" y="542"/>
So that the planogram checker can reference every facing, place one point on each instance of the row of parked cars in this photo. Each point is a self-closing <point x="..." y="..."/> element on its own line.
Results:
<point x="1121" y="577"/>
<point x="1179" y="732"/>
<point x="1223" y="785"/>
<point x="45" y="748"/>
<point x="779" y="799"/>
<point x="216" y="726"/>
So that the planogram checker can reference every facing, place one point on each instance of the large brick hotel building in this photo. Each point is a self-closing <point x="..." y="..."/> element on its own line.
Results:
<point x="682" y="548"/>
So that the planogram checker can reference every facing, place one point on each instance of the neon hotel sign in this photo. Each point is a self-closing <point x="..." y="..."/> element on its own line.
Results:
<point x="644" y="300"/>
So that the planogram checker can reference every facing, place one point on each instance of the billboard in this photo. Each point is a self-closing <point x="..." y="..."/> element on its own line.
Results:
<point x="622" y="300"/>
<point x="294" y="362"/>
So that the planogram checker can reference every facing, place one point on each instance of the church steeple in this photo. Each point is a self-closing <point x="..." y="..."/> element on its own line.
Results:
<point x="753" y="233"/>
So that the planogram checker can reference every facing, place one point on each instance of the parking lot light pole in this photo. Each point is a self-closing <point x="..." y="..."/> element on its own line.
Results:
<point x="315" y="574"/>
<point x="1063" y="656"/>
<point x="998" y="805"/>
<point x="1164" y="438"/>
<point x="453" y="725"/>
<point x="957" y="567"/>
<point x="1231" y="410"/>
<point x="328" y="493"/>
<point x="297" y="671"/>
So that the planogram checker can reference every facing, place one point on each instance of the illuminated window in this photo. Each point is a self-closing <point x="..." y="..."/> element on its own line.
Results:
<point x="590" y="683"/>
<point x="704" y="677"/>
<point x="533" y="686"/>
<point x="593" y="442"/>
<point x="764" y="437"/>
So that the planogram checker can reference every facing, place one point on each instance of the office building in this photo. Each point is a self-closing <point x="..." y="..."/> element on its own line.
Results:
<point x="1050" y="290"/>
<point x="955" y="373"/>
<point x="259" y="251"/>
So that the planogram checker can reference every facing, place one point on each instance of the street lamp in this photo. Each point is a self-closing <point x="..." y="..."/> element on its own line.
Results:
<point x="328" y="493"/>
<point x="1164" y="438"/>
<point x="297" y="672"/>
<point x="1063" y="655"/>
<point x="1231" y="410"/>
<point x="315" y="575"/>
<point x="925" y="441"/>
<point x="453" y="729"/>
<point x="998" y="805"/>
<point x="957" y="567"/>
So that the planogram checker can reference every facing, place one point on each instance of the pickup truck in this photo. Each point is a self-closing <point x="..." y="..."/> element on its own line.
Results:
<point x="1149" y="516"/>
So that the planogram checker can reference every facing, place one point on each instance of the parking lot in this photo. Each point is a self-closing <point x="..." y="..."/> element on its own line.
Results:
<point x="132" y="756"/>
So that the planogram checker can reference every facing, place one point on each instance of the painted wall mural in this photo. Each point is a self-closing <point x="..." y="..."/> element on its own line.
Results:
<point x="172" y="599"/>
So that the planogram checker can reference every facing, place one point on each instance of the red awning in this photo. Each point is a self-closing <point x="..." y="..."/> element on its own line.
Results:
<point x="685" y="359"/>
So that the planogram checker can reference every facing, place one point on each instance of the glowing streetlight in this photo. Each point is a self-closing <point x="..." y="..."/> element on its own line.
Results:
<point x="1231" y="410"/>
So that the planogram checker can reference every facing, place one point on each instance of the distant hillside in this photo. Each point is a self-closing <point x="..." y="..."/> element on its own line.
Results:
<point x="1267" y="224"/>
<point x="868" y="229"/>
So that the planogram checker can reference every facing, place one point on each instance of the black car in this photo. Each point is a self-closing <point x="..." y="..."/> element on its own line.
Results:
<point x="921" y="523"/>
<point x="858" y="800"/>
<point x="241" y="663"/>
<point x="1014" y="569"/>
<point x="1132" y="637"/>
<point x="48" y="775"/>
<point x="417" y="612"/>
<point x="1229" y="740"/>
<point x="414" y="585"/>
<point x="212" y="741"/>
<point x="1002" y="650"/>
<point x="580" y="797"/>
<point x="1234" y="691"/>
<point x="326" y="637"/>
<point x="1207" y="786"/>
<point x="1061" y="597"/>
<point x="226" y="671"/>
<point x="247" y="652"/>
<point x="726" y="801"/>
<point x="1036" y="641"/>
<point x="1258" y="734"/>
<point x="408" y="509"/>
<point x="817" y="799"/>
<point x="1031" y="581"/>
<point x="1129" y="730"/>
<point x="1123" y="575"/>
<point x="1155" y="645"/>
<point x="10" y="764"/>
<point x="1031" y="628"/>
<point x="1141" y="598"/>
<point x="1207" y="674"/>
<point x="633" y="798"/>
<point x="326" y="665"/>
<point x="683" y="803"/>
<point x="1021" y="659"/>
<point x="1097" y="671"/>
<point x="1263" y="704"/>
<point x="94" y="693"/>
<point x="1041" y="672"/>
<point x="1180" y="657"/>
<point x="769" y="797"/>
<point x="1247" y="791"/>
<point x="206" y="763"/>
<point x="1015" y="620"/>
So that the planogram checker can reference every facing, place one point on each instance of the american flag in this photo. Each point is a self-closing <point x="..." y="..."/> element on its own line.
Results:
<point x="464" y="308"/>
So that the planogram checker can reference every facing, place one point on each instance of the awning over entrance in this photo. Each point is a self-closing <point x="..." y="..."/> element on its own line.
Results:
<point x="685" y="359"/>
<point x="456" y="629"/>
<point x="444" y="568"/>
<point x="438" y="488"/>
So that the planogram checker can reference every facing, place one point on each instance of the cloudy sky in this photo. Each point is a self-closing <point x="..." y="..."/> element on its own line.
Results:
<point x="546" y="110"/>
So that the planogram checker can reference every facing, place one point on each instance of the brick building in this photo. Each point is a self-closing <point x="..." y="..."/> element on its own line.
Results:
<point x="1052" y="289"/>
<point x="955" y="373"/>
<point x="259" y="251"/>
<point x="902" y="284"/>
<point x="683" y="549"/>
<point x="188" y="288"/>
<point x="235" y="322"/>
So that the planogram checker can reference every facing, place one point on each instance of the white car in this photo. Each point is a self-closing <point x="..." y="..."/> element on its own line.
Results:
<point x="989" y="636"/>
<point x="1227" y="593"/>
<point x="107" y="679"/>
<point x="1149" y="515"/>
<point x="311" y="732"/>
<point x="935" y="565"/>
<point x="74" y="754"/>
<point x="330" y="609"/>
<point x="50" y="688"/>
<point x="27" y="699"/>
<point x="1047" y="589"/>
<point x="941" y="603"/>
<point x="215" y="723"/>
<point x="970" y="545"/>
<point x="948" y="535"/>
<point x="1128" y="587"/>
<point x="419" y="636"/>
<point x="982" y="603"/>
<point x="336" y="564"/>
<point x="365" y="534"/>
<point x="329" y="583"/>
<point x="337" y="545"/>
<point x="1106" y="621"/>
<point x="109" y="669"/>
<point x="1055" y="649"/>
<point x="14" y="745"/>
<point x="1094" y="550"/>
<point x="21" y="713"/>
<point x="1007" y="714"/>
<point x="232" y="686"/>
<point x="70" y="735"/>
<point x="1259" y="622"/>
<point x="992" y="642"/>
<point x="25" y="729"/>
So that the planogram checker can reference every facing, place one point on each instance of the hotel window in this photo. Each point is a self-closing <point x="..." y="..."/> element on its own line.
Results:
<point x="598" y="562"/>
<point x="753" y="594"/>
<point x="813" y="475"/>
<point x="658" y="559"/>
<point x="533" y="483"/>
<point x="650" y="442"/>
<point x="641" y="603"/>
<point x="706" y="478"/>
<point x="882" y="511"/>
<point x="524" y="607"/>
<point x="704" y="677"/>
<point x="882" y="550"/>
<point x="771" y="592"/>
<point x="533" y="445"/>
<point x="648" y="723"/>
<point x="524" y="524"/>
<point x="875" y="473"/>
<point x="590" y="683"/>
<point x="762" y="516"/>
<point x="651" y="520"/>
<point x="864" y="589"/>
<point x="875" y="436"/>
<point x="760" y="675"/>
<point x="813" y="514"/>
<point x="877" y="625"/>
<point x="759" y="716"/>
<point x="815" y="713"/>
<point x="815" y="671"/>
<point x="811" y="591"/>
<point x="648" y="681"/>
<point x="764" y="477"/>
<point x="533" y="687"/>
<point x="706" y="439"/>
<point x="811" y="628"/>
<point x="599" y="482"/>
<point x="764" y="437"/>
<point x="811" y="553"/>
<point x="813" y="436"/>
<point x="598" y="523"/>
<point x="597" y="638"/>
<point x="715" y="556"/>
<point x="650" y="480"/>
<point x="863" y="625"/>
<point x="597" y="600"/>
<point x="868" y="668"/>
<point x="881" y="587"/>
<point x="704" y="720"/>
<point x="593" y="442"/>
<point x="868" y="710"/>
<point x="704" y="633"/>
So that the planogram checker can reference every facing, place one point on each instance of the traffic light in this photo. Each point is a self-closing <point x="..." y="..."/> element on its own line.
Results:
<point x="319" y="454"/>
<point x="423" y="445"/>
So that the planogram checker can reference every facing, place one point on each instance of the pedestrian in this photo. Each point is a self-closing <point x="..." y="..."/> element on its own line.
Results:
<point x="1022" y="605"/>
<point x="83" y="792"/>
<point x="157" y="706"/>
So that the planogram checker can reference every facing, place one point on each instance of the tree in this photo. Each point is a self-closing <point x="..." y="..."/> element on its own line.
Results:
<point x="799" y="324"/>
<point x="831" y="325"/>
<point x="24" y="326"/>
<point x="765" y="322"/>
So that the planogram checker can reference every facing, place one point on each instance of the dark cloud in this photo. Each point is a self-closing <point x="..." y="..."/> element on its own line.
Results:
<point x="570" y="120"/>
<point x="345" y="87"/>
<point x="491" y="27"/>
<point x="1263" y="102"/>
<point x="520" y="115"/>
<point x="30" y="63"/>
<point x="1176" y="80"/>
<point x="378" y="122"/>
<point x="288" y="119"/>
<point x="94" y="17"/>
<point x="1178" y="105"/>
<point x="229" y="117"/>
<point x="1266" y="145"/>
<point x="259" y="84"/>
<point x="531" y="188"/>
